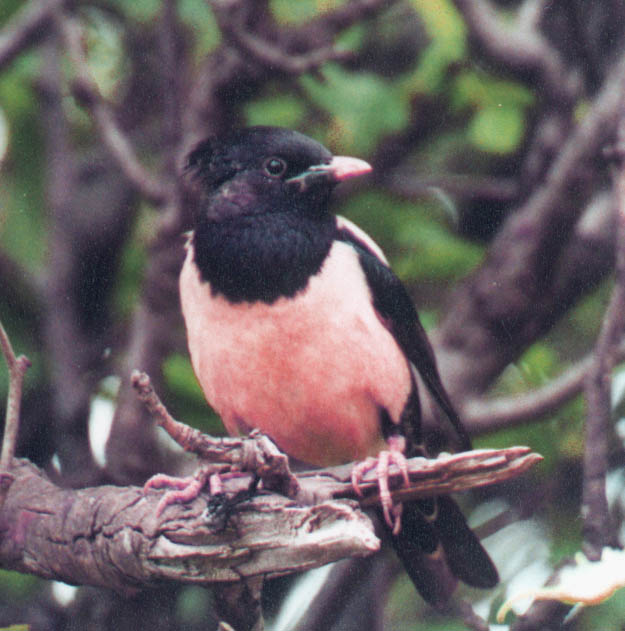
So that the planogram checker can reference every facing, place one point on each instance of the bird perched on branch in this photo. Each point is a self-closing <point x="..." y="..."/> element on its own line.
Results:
<point x="297" y="326"/>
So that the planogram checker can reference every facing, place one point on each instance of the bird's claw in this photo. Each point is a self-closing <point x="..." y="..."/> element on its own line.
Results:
<point x="393" y="455"/>
<point x="184" y="489"/>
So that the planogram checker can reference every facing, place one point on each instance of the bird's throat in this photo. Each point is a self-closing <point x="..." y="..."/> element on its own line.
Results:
<point x="262" y="257"/>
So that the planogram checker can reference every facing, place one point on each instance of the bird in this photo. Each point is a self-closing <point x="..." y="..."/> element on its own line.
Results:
<point x="298" y="327"/>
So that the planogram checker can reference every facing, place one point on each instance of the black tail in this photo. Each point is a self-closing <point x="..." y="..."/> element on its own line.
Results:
<point x="437" y="548"/>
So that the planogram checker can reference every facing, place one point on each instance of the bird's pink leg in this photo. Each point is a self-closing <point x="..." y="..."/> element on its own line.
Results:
<point x="393" y="455"/>
<point x="188" y="488"/>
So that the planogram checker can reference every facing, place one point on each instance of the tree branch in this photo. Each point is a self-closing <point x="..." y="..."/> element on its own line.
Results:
<point x="485" y="329"/>
<point x="489" y="415"/>
<point x="229" y="17"/>
<point x="112" y="536"/>
<point x="17" y="369"/>
<point x="597" y="529"/>
<point x="85" y="536"/>
<point x="26" y="29"/>
<point x="347" y="14"/>
<point x="445" y="474"/>
<point x="115" y="140"/>
<point x="517" y="47"/>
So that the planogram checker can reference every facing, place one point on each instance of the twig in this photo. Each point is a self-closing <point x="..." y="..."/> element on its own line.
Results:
<point x="256" y="454"/>
<point x="87" y="94"/>
<point x="27" y="28"/>
<point x="445" y="474"/>
<point x="264" y="52"/>
<point x="518" y="47"/>
<point x="404" y="183"/>
<point x="439" y="476"/>
<point x="17" y="369"/>
<point x="348" y="14"/>
<point x="489" y="415"/>
<point x="597" y="529"/>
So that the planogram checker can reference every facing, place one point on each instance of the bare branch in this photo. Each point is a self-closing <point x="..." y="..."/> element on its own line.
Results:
<point x="26" y="29"/>
<point x="213" y="539"/>
<point x="440" y="476"/>
<point x="464" y="186"/>
<point x="489" y="415"/>
<point x="87" y="94"/>
<point x="239" y="605"/>
<point x="597" y="530"/>
<point x="111" y="537"/>
<point x="264" y="52"/>
<point x="518" y="47"/>
<point x="445" y="474"/>
<point x="17" y="369"/>
<point x="348" y="14"/>
<point x="485" y="329"/>
<point x="256" y="454"/>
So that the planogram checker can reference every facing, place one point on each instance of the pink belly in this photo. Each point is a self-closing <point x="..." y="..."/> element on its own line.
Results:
<point x="312" y="371"/>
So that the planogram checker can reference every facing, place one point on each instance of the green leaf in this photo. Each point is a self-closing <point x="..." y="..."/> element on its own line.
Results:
<point x="283" y="110"/>
<point x="189" y="404"/>
<point x="21" y="195"/>
<point x="16" y="585"/>
<point x="435" y="253"/>
<point x="9" y="9"/>
<point x="419" y="245"/>
<point x="448" y="45"/>
<point x="181" y="378"/>
<point x="497" y="129"/>
<point x="363" y="107"/>
<point x="139" y="10"/>
<point x="287" y="11"/>
<point x="200" y="19"/>
<point x="477" y="89"/>
<point x="105" y="51"/>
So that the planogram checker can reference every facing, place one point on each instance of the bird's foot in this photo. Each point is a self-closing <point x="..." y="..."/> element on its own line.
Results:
<point x="186" y="489"/>
<point x="393" y="455"/>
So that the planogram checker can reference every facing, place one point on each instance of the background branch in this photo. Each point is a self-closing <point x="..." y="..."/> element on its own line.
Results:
<point x="598" y="530"/>
<point x="17" y="369"/>
<point x="88" y="95"/>
<point x="26" y="29"/>
<point x="206" y="541"/>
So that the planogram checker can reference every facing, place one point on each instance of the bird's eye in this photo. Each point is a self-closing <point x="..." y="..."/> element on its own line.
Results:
<point x="274" y="167"/>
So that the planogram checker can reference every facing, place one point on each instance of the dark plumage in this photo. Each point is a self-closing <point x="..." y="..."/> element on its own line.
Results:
<point x="297" y="326"/>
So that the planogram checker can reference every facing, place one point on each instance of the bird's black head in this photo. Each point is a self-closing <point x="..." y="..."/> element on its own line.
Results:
<point x="261" y="170"/>
<point x="262" y="227"/>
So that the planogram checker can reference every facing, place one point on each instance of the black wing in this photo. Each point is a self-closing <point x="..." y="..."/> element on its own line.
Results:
<point x="392" y="302"/>
<point x="435" y="544"/>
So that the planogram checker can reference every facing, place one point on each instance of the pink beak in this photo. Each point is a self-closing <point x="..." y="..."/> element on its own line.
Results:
<point x="344" y="167"/>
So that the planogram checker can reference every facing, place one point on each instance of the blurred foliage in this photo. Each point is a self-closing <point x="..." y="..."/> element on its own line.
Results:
<point x="607" y="616"/>
<point x="351" y="109"/>
<point x="16" y="586"/>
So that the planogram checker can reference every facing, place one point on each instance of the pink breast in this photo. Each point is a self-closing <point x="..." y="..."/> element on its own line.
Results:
<point x="311" y="371"/>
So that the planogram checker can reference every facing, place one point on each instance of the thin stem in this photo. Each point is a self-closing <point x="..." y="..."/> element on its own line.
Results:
<point x="17" y="369"/>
